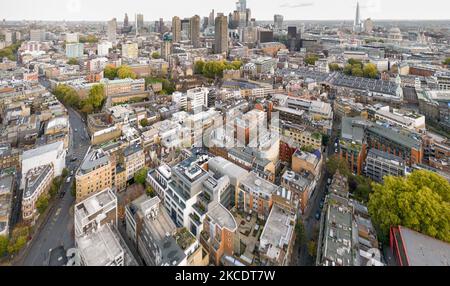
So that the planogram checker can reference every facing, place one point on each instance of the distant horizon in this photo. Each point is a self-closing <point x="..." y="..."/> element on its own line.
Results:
<point x="303" y="10"/>
<point x="258" y="20"/>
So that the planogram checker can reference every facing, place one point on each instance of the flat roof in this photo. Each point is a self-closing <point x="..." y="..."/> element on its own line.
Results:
<point x="221" y="216"/>
<point x="100" y="248"/>
<point x="423" y="250"/>
<point x="42" y="150"/>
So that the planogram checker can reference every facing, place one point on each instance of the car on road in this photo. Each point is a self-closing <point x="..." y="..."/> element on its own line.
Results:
<point x="76" y="130"/>
<point x="317" y="216"/>
<point x="321" y="205"/>
<point x="74" y="159"/>
<point x="68" y="179"/>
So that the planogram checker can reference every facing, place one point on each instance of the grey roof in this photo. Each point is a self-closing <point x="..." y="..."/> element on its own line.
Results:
<point x="130" y="150"/>
<point x="93" y="160"/>
<point x="220" y="215"/>
<point x="423" y="250"/>
<point x="42" y="150"/>
<point x="34" y="178"/>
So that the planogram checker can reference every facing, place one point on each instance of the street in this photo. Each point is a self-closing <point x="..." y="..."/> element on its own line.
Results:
<point x="310" y="223"/>
<point x="57" y="228"/>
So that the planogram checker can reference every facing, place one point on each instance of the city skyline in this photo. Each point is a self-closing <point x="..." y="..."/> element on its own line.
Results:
<point x="82" y="10"/>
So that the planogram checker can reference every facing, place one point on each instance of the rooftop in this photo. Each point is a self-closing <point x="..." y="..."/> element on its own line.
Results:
<point x="42" y="150"/>
<point x="34" y="178"/>
<point x="95" y="159"/>
<point x="278" y="232"/>
<point x="101" y="247"/>
<point x="221" y="216"/>
<point x="423" y="250"/>
<point x="258" y="185"/>
<point x="94" y="204"/>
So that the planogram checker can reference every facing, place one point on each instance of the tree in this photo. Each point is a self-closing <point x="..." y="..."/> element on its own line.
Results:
<point x="360" y="187"/>
<point x="420" y="202"/>
<point x="357" y="71"/>
<point x="312" y="248"/>
<point x="110" y="72"/>
<point x="96" y="96"/>
<point x="144" y="122"/>
<point x="150" y="192"/>
<point x="447" y="61"/>
<point x="198" y="67"/>
<point x="91" y="39"/>
<point x="72" y="61"/>
<point x="42" y="203"/>
<point x="311" y="59"/>
<point x="334" y="67"/>
<point x="141" y="176"/>
<point x="87" y="108"/>
<point x="126" y="72"/>
<point x="18" y="239"/>
<point x="156" y="55"/>
<point x="335" y="163"/>
<point x="65" y="172"/>
<point x="307" y="148"/>
<point x="3" y="245"/>
<point x="300" y="232"/>
<point x="370" y="71"/>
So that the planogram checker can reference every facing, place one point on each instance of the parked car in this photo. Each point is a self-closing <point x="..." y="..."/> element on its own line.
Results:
<point x="317" y="216"/>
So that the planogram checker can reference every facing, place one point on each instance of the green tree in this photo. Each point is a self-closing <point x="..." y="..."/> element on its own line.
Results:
<point x="125" y="72"/>
<point x="357" y="71"/>
<point x="312" y="248"/>
<point x="141" y="176"/>
<point x="42" y="203"/>
<point x="144" y="122"/>
<point x="96" y="96"/>
<point x="4" y="241"/>
<point x="198" y="67"/>
<point x="156" y="55"/>
<point x="91" y="39"/>
<point x="348" y="69"/>
<point x="72" y="61"/>
<point x="370" y="71"/>
<point x="300" y="232"/>
<point x="150" y="192"/>
<point x="110" y="72"/>
<point x="311" y="59"/>
<point x="446" y="61"/>
<point x="420" y="202"/>
<point x="334" y="67"/>
<point x="65" y="172"/>
<point x="335" y="163"/>
<point x="87" y="108"/>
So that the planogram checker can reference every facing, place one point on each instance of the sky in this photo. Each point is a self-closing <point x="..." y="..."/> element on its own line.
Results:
<point x="102" y="10"/>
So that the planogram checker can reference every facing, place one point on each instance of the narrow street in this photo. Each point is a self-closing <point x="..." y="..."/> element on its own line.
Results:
<point x="57" y="228"/>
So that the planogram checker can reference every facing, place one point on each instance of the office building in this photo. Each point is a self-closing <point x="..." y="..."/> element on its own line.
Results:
<point x="112" y="30"/>
<point x="130" y="50"/>
<point x="380" y="164"/>
<point x="176" y="29"/>
<point x="278" y="238"/>
<point x="134" y="160"/>
<point x="157" y="238"/>
<point x="139" y="23"/>
<point x="221" y="34"/>
<point x="72" y="38"/>
<point x="278" y="23"/>
<point x="357" y="24"/>
<point x="194" y="31"/>
<point x="74" y="50"/>
<point x="219" y="232"/>
<point x="103" y="49"/>
<point x="96" y="173"/>
<point x="7" y="184"/>
<point x="37" y="35"/>
<point x="53" y="154"/>
<point x="95" y="211"/>
<point x="37" y="184"/>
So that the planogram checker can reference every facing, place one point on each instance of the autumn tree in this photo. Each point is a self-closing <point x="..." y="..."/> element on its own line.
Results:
<point x="126" y="72"/>
<point x="110" y="72"/>
<point x="420" y="202"/>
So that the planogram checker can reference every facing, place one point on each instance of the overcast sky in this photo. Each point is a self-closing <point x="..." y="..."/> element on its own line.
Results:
<point x="261" y="9"/>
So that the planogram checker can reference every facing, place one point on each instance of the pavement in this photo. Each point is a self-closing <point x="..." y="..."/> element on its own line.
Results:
<point x="57" y="228"/>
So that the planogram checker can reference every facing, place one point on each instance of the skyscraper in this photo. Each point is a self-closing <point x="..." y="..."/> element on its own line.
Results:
<point x="112" y="30"/>
<point x="278" y="22"/>
<point x="221" y="34"/>
<point x="194" y="31"/>
<point x="241" y="7"/>
<point x="176" y="29"/>
<point x="126" y="23"/>
<point x="357" y="27"/>
<point x="211" y="18"/>
<point x="139" y="22"/>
